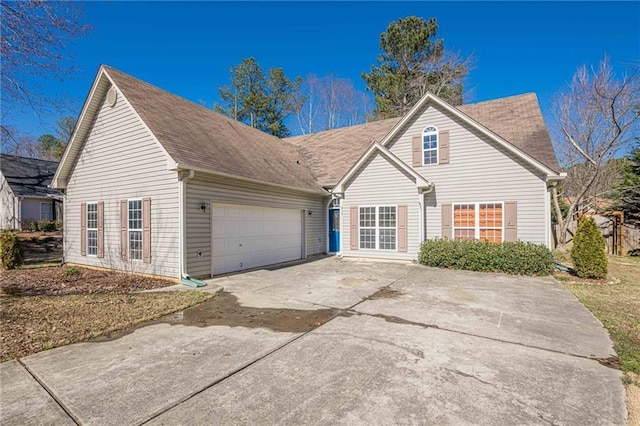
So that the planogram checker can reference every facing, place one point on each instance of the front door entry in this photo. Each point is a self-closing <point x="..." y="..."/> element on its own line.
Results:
<point x="334" y="230"/>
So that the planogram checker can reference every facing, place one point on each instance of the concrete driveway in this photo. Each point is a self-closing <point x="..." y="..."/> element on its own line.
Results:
<point x="394" y="343"/>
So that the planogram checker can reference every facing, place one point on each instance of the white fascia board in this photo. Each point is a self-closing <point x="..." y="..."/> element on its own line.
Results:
<point x="181" y="166"/>
<point x="57" y="182"/>
<point x="464" y="117"/>
<point x="421" y="182"/>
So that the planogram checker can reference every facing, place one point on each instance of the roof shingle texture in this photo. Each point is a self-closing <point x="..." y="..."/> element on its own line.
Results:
<point x="28" y="177"/>
<point x="201" y="138"/>
<point x="516" y="119"/>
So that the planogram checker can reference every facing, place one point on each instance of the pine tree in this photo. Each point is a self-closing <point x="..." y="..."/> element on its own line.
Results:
<point x="413" y="62"/>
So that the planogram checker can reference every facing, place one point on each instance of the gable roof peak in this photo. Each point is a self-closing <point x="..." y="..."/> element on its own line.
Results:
<point x="193" y="136"/>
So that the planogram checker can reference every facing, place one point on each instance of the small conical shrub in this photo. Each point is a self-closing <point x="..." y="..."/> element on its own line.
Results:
<point x="11" y="253"/>
<point x="587" y="254"/>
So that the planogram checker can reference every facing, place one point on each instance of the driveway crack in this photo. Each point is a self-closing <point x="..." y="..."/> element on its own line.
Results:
<point x="64" y="408"/>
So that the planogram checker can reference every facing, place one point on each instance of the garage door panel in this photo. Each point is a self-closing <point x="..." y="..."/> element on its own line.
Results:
<point x="246" y="237"/>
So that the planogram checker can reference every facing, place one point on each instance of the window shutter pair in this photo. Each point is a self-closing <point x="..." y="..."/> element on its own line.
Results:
<point x="510" y="221"/>
<point x="443" y="148"/>
<point x="83" y="229"/>
<point x="146" y="230"/>
<point x="354" y="235"/>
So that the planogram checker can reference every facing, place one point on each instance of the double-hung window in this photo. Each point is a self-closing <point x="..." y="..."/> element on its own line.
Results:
<point x="92" y="229"/>
<point x="430" y="145"/>
<point x="478" y="221"/>
<point x="378" y="227"/>
<point x="135" y="229"/>
<point x="46" y="211"/>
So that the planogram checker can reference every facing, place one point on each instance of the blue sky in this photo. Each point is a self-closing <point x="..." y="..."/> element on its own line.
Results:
<point x="188" y="47"/>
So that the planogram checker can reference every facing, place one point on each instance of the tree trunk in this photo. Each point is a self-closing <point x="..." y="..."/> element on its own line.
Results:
<point x="563" y="224"/>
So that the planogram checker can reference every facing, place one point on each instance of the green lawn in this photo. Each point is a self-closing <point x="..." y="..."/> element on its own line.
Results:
<point x="616" y="302"/>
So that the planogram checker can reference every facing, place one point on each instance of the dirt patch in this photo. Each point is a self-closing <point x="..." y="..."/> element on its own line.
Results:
<point x="385" y="293"/>
<point x="224" y="309"/>
<point x="41" y="247"/>
<point x="64" y="280"/>
<point x="33" y="324"/>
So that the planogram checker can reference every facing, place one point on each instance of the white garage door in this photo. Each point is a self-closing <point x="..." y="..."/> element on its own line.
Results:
<point x="246" y="237"/>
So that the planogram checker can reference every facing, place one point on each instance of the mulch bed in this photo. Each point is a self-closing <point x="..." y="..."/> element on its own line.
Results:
<point x="62" y="281"/>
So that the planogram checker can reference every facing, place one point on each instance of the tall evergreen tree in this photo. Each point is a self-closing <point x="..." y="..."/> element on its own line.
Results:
<point x="261" y="100"/>
<point x="412" y="63"/>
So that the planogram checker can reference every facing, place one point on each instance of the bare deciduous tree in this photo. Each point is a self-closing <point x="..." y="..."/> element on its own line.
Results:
<point x="597" y="118"/>
<point x="34" y="46"/>
<point x="330" y="102"/>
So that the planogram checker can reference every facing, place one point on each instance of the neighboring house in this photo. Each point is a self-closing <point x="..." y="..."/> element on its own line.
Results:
<point x="24" y="193"/>
<point x="157" y="184"/>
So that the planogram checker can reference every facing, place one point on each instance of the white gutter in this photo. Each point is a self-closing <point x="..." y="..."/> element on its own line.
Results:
<point x="182" y="214"/>
<point x="180" y="166"/>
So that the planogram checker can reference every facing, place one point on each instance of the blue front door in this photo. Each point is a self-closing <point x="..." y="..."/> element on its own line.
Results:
<point x="334" y="230"/>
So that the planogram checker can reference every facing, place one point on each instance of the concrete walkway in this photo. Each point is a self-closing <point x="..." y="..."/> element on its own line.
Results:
<point x="407" y="345"/>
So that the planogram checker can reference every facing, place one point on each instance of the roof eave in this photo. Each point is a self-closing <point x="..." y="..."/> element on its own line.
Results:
<point x="421" y="182"/>
<point x="182" y="166"/>
<point x="59" y="180"/>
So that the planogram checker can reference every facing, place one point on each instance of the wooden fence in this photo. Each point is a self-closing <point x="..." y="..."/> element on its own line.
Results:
<point x="630" y="236"/>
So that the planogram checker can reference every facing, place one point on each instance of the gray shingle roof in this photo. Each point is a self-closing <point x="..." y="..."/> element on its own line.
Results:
<point x="28" y="177"/>
<point x="517" y="119"/>
<point x="201" y="138"/>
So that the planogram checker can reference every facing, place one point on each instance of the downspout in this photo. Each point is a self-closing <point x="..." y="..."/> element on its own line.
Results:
<point x="182" y="215"/>
<point x="548" y="239"/>
<point x="421" y="193"/>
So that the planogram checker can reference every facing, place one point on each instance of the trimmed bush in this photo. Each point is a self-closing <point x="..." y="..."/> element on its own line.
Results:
<point x="11" y="254"/>
<point x="587" y="254"/>
<point x="513" y="258"/>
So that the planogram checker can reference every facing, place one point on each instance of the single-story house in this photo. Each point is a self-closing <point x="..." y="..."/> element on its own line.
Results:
<point x="157" y="184"/>
<point x="24" y="193"/>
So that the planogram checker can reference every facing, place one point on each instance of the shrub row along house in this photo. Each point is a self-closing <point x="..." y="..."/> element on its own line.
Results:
<point x="157" y="184"/>
<point x="24" y="193"/>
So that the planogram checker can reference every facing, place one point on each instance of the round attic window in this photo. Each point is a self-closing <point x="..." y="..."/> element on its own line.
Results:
<point x="112" y="96"/>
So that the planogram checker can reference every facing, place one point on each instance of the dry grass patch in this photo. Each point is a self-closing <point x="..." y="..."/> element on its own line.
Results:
<point x="32" y="324"/>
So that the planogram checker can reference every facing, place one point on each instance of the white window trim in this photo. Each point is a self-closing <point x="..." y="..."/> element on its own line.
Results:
<point x="52" y="210"/>
<point x="92" y="229"/>
<point x="378" y="227"/>
<point x="436" y="149"/>
<point x="477" y="219"/>
<point x="129" y="230"/>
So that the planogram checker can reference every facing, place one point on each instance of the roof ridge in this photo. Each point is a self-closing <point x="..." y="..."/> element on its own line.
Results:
<point x="353" y="126"/>
<point x="499" y="99"/>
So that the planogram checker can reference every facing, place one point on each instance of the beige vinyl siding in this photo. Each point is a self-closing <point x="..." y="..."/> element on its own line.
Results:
<point x="204" y="188"/>
<point x="479" y="171"/>
<point x="381" y="183"/>
<point x="8" y="206"/>
<point x="121" y="160"/>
